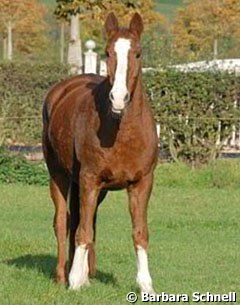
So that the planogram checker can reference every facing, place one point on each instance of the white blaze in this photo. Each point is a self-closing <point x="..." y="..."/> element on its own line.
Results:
<point x="79" y="272"/>
<point x="143" y="276"/>
<point x="119" y="89"/>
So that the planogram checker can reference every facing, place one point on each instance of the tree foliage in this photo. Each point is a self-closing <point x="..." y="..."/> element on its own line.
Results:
<point x="93" y="14"/>
<point x="98" y="9"/>
<point x="200" y="24"/>
<point x="65" y="8"/>
<point x="27" y="20"/>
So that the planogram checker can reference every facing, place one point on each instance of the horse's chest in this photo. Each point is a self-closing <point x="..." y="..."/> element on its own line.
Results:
<point x="122" y="166"/>
<point x="117" y="178"/>
<point x="119" y="160"/>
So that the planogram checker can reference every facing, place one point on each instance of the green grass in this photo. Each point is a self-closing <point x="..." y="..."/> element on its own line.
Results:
<point x="168" y="7"/>
<point x="194" y="240"/>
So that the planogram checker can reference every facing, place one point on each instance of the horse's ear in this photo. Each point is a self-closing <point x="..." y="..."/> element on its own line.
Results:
<point x="136" y="24"/>
<point x="111" y="24"/>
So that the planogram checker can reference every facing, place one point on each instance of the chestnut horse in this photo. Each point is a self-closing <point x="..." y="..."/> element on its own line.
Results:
<point x="99" y="135"/>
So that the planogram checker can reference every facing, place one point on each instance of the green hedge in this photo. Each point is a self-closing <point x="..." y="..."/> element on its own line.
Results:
<point x="22" y="90"/>
<point x="189" y="106"/>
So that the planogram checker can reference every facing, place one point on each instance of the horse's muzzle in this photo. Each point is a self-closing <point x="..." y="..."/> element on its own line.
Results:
<point x="119" y="103"/>
<point x="117" y="111"/>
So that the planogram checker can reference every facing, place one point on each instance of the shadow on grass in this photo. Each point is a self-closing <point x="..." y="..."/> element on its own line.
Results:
<point x="46" y="265"/>
<point x="106" y="278"/>
<point x="42" y="263"/>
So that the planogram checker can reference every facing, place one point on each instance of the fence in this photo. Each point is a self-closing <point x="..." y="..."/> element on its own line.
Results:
<point x="229" y="145"/>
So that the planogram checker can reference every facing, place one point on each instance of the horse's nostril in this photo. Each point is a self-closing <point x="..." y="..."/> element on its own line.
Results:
<point x="111" y="96"/>
<point x="126" y="98"/>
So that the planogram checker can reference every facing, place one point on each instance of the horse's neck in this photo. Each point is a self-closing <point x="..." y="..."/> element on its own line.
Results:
<point x="138" y="102"/>
<point x="110" y="126"/>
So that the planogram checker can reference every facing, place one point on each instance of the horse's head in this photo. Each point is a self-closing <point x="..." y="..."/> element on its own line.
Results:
<point x="123" y="53"/>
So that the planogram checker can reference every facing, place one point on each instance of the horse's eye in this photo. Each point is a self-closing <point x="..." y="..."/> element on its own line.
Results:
<point x="107" y="54"/>
<point x="138" y="55"/>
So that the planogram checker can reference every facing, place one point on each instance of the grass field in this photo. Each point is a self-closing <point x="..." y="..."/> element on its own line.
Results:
<point x="194" y="240"/>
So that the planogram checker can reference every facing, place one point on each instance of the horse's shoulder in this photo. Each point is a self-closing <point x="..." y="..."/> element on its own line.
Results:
<point x="60" y="90"/>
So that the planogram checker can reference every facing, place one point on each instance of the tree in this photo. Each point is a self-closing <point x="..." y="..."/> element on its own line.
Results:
<point x="31" y="29"/>
<point x="11" y="12"/>
<point x="92" y="14"/>
<point x="69" y="10"/>
<point x="24" y="17"/>
<point x="155" y="26"/>
<point x="203" y="26"/>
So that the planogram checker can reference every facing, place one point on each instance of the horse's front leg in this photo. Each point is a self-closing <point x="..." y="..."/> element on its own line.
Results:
<point x="89" y="192"/>
<point x="139" y="194"/>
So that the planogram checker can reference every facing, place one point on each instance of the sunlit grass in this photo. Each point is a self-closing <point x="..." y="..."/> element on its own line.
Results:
<point x="194" y="240"/>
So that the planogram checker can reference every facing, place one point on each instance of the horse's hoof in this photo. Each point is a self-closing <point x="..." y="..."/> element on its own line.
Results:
<point x="76" y="282"/>
<point x="149" y="291"/>
<point x="60" y="278"/>
<point x="77" y="279"/>
<point x="145" y="284"/>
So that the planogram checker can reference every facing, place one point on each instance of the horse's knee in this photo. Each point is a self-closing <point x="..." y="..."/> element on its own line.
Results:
<point x="60" y="223"/>
<point x="83" y="236"/>
<point x="140" y="237"/>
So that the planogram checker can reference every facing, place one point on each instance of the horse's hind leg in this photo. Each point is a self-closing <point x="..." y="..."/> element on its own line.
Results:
<point x="59" y="190"/>
<point x="139" y="194"/>
<point x="91" y="252"/>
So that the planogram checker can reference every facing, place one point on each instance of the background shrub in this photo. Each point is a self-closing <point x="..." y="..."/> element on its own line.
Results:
<point x="14" y="168"/>
<point x="22" y="91"/>
<point x="190" y="107"/>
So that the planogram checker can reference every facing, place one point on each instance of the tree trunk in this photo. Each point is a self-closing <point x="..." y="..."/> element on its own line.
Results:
<point x="75" y="50"/>
<point x="9" y="41"/>
<point x="215" y="48"/>
<point x="62" y="41"/>
<point x="5" y="47"/>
